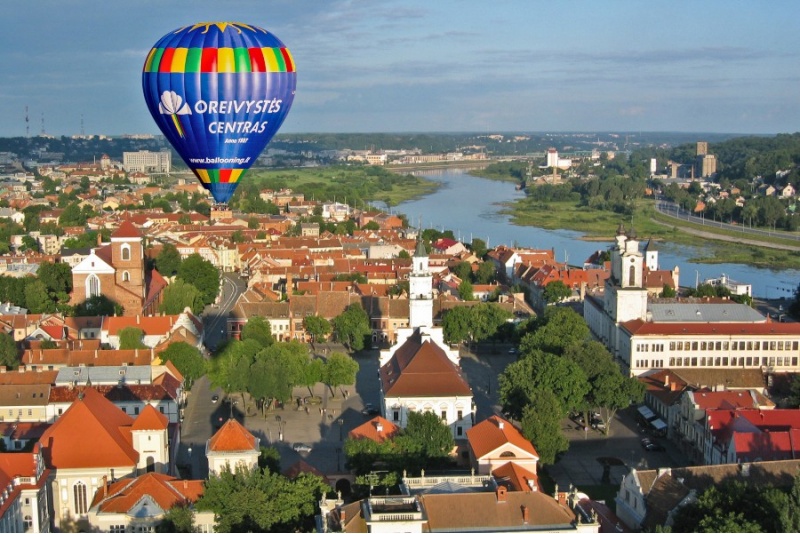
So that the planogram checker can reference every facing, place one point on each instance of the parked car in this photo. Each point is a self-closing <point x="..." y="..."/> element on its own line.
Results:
<point x="214" y="398"/>
<point x="301" y="447"/>
<point x="653" y="447"/>
<point x="512" y="350"/>
<point x="369" y="409"/>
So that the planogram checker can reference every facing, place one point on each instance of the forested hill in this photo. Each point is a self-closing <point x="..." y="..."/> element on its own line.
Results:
<point x="740" y="158"/>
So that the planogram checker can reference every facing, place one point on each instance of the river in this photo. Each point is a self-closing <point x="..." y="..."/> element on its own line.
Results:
<point x="471" y="207"/>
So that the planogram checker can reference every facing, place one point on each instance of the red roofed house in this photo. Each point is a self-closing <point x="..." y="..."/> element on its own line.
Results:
<point x="23" y="482"/>
<point x="117" y="271"/>
<point x="420" y="372"/>
<point x="95" y="439"/>
<point x="231" y="446"/>
<point x="139" y="504"/>
<point x="494" y="442"/>
<point x="377" y="429"/>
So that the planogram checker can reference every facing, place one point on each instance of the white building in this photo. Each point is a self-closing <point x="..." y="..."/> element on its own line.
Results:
<point x="697" y="333"/>
<point x="420" y="372"/>
<point x="146" y="161"/>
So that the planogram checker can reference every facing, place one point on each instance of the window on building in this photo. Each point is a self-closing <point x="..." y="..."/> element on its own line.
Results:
<point x="126" y="276"/>
<point x="126" y="252"/>
<point x="79" y="494"/>
<point x="92" y="286"/>
<point x="396" y="415"/>
<point x="444" y="415"/>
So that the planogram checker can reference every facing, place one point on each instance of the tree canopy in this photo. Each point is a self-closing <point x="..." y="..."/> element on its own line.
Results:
<point x="352" y="326"/>
<point x="202" y="274"/>
<point x="258" y="500"/>
<point x="186" y="358"/>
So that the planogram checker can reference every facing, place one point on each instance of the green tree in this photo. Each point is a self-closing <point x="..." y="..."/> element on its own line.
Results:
<point x="317" y="327"/>
<point x="352" y="326"/>
<point x="201" y="274"/>
<point x="98" y="306"/>
<point x="559" y="328"/>
<point x="260" y="501"/>
<point x="541" y="425"/>
<point x="9" y="354"/>
<point x="131" y="337"/>
<point x="179" y="518"/>
<point x="486" y="319"/>
<point x="479" y="247"/>
<point x="426" y="440"/>
<point x="230" y="367"/>
<point x="37" y="299"/>
<point x="259" y="330"/>
<point x="522" y="380"/>
<point x="187" y="359"/>
<point x="457" y="325"/>
<point x="556" y="291"/>
<point x="180" y="295"/>
<point x="168" y="261"/>
<point x="57" y="277"/>
<point x="340" y="369"/>
<point x="465" y="290"/>
<point x="485" y="273"/>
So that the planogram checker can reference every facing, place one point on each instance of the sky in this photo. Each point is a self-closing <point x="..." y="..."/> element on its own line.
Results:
<point x="366" y="66"/>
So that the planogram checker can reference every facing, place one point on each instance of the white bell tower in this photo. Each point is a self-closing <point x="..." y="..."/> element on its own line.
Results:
<point x="420" y="290"/>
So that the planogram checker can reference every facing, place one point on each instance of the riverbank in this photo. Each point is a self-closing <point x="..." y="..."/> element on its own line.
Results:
<point x="712" y="247"/>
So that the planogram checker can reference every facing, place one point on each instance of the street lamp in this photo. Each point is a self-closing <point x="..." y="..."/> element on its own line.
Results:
<point x="341" y="426"/>
<point x="190" y="462"/>
<point x="338" y="459"/>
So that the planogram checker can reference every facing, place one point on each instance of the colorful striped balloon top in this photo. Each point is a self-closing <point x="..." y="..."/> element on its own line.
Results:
<point x="220" y="47"/>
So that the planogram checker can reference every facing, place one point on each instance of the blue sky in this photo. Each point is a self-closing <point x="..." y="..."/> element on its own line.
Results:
<point x="429" y="65"/>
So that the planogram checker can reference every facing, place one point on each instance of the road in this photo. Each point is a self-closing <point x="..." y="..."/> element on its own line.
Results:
<point x="672" y="210"/>
<point x="215" y="316"/>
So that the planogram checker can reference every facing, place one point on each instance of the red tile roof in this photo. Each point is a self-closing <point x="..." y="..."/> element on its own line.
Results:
<point x="494" y="432"/>
<point x="126" y="230"/>
<point x="420" y="368"/>
<point x="121" y="496"/>
<point x="516" y="477"/>
<point x="640" y="328"/>
<point x="150" y="419"/>
<point x="369" y="430"/>
<point x="232" y="437"/>
<point x="93" y="420"/>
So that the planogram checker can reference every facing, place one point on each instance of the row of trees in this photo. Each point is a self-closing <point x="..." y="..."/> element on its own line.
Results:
<point x="560" y="370"/>
<point x="268" y="371"/>
<point x="477" y="323"/>
<point x="742" y="506"/>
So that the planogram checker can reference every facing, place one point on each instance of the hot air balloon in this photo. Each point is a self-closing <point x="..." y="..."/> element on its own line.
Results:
<point x="219" y="91"/>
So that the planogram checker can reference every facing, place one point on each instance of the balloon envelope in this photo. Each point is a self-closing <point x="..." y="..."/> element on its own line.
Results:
<point x="219" y="91"/>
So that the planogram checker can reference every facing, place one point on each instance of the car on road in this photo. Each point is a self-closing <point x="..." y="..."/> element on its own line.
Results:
<point x="301" y="447"/>
<point x="369" y="409"/>
<point x="512" y="350"/>
<point x="652" y="446"/>
<point x="214" y="398"/>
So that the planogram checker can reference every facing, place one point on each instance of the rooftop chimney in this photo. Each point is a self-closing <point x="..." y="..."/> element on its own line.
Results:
<point x="526" y="514"/>
<point x="379" y="428"/>
<point x="501" y="493"/>
<point x="500" y="424"/>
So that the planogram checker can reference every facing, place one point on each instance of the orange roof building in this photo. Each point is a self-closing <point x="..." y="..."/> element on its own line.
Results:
<point x="494" y="441"/>
<point x="232" y="445"/>
<point x="377" y="430"/>
<point x="146" y="498"/>
<point x="93" y="439"/>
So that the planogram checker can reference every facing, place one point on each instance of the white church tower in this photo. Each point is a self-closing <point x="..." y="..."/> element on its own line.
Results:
<point x="420" y="290"/>
<point x="625" y="294"/>
<point x="420" y="309"/>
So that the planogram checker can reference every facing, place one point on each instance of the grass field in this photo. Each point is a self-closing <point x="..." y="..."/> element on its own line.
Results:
<point x="649" y="223"/>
